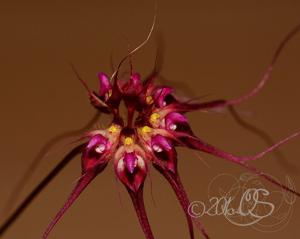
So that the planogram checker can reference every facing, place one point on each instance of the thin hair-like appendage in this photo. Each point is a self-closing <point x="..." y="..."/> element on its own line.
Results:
<point x="38" y="189"/>
<point x="261" y="83"/>
<point x="192" y="141"/>
<point x="267" y="73"/>
<point x="13" y="197"/>
<point x="207" y="148"/>
<point x="158" y="62"/>
<point x="130" y="57"/>
<point x="115" y="74"/>
<point x="94" y="99"/>
<point x="265" y="137"/>
<point x="151" y="136"/>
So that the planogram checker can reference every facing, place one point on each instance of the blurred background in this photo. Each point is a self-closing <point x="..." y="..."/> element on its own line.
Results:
<point x="210" y="48"/>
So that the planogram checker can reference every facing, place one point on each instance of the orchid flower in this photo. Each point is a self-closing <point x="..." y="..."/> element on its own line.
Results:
<point x="150" y="138"/>
<point x="155" y="125"/>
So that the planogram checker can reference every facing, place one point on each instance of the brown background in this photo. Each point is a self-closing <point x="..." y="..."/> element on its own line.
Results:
<point x="211" y="47"/>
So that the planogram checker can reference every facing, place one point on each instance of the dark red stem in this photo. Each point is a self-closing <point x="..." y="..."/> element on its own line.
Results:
<point x="37" y="190"/>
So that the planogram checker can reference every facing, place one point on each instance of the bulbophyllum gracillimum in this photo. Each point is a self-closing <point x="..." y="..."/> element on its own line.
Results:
<point x="155" y="124"/>
<point x="146" y="136"/>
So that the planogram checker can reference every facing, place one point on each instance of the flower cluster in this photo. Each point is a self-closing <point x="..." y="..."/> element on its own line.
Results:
<point x="154" y="126"/>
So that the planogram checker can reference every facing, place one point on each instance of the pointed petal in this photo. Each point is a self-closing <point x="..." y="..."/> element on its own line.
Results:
<point x="81" y="185"/>
<point x="182" y="197"/>
<point x="138" y="203"/>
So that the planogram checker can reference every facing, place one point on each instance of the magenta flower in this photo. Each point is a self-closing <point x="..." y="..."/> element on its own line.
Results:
<point x="147" y="136"/>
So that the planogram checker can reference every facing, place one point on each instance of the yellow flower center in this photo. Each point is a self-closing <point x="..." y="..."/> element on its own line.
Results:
<point x="149" y="99"/>
<point x="154" y="118"/>
<point x="113" y="129"/>
<point x="146" y="129"/>
<point x="128" y="141"/>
